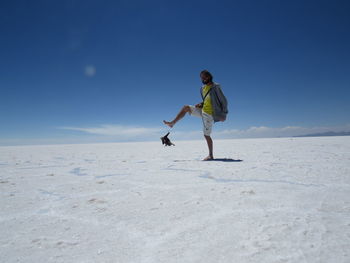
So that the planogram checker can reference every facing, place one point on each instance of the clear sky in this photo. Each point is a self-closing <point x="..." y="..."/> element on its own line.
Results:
<point x="85" y="71"/>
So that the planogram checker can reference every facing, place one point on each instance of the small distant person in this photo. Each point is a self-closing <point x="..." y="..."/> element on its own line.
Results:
<point x="213" y="108"/>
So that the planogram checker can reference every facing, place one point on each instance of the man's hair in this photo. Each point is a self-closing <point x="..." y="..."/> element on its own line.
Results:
<point x="207" y="73"/>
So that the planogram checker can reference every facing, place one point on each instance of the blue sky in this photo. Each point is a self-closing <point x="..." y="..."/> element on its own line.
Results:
<point x="90" y="71"/>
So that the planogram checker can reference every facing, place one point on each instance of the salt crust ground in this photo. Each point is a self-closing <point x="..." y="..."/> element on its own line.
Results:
<point x="288" y="200"/>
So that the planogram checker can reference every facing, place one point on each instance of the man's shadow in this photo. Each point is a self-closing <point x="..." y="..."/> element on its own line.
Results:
<point x="228" y="160"/>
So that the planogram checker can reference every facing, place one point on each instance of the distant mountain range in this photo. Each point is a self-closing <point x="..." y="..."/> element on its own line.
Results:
<point x="330" y="133"/>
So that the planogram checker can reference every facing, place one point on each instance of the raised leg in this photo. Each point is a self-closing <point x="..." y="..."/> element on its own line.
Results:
<point x="179" y="116"/>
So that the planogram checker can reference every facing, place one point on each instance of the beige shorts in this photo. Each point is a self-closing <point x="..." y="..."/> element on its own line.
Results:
<point x="206" y="118"/>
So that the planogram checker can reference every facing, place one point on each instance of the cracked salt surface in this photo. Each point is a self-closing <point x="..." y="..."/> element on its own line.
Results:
<point x="286" y="200"/>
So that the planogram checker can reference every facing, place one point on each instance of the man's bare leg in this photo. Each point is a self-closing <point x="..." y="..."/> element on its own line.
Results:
<point x="210" y="147"/>
<point x="179" y="116"/>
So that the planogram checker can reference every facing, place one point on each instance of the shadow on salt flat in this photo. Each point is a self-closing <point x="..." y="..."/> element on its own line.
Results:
<point x="51" y="194"/>
<point x="229" y="160"/>
<point x="108" y="175"/>
<point x="43" y="211"/>
<point x="40" y="166"/>
<point x="78" y="171"/>
<point x="222" y="180"/>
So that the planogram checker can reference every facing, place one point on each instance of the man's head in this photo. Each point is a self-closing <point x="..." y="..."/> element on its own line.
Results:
<point x="206" y="77"/>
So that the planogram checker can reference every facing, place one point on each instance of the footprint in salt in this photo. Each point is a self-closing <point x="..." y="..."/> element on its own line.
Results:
<point x="250" y="192"/>
<point x="98" y="201"/>
<point x="65" y="243"/>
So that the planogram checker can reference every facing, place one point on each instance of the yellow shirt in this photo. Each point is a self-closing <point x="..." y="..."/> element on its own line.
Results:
<point x="207" y="107"/>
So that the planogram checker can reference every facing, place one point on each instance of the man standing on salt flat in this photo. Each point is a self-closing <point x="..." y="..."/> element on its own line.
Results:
<point x="212" y="109"/>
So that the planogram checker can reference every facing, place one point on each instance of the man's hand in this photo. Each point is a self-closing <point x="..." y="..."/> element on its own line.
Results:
<point x="199" y="105"/>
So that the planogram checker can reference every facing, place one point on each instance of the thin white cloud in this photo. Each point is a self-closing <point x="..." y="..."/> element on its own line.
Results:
<point x="116" y="130"/>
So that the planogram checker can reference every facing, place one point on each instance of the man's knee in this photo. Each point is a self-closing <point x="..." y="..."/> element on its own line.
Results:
<point x="186" y="108"/>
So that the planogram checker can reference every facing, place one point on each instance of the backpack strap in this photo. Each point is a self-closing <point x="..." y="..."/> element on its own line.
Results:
<point x="206" y="94"/>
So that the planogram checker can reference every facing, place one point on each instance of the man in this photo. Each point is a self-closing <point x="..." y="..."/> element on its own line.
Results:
<point x="212" y="109"/>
